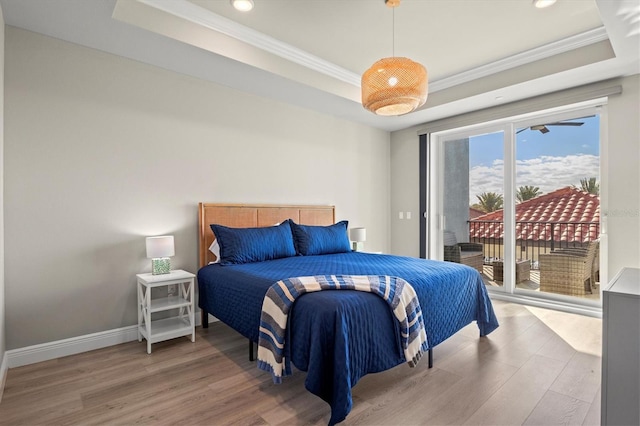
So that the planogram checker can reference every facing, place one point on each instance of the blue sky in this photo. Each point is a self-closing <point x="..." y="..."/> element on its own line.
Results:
<point x="550" y="161"/>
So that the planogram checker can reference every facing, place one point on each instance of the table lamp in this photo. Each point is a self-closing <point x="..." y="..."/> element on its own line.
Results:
<point x="159" y="249"/>
<point x="358" y="236"/>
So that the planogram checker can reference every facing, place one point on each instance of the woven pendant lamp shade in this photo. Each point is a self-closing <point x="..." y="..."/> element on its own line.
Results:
<point x="394" y="86"/>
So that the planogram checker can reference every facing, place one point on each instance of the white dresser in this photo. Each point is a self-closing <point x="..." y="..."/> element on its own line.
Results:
<point x="621" y="349"/>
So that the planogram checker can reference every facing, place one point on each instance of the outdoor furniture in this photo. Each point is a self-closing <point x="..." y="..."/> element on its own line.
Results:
<point x="568" y="271"/>
<point x="595" y="269"/>
<point x="469" y="254"/>
<point x="523" y="270"/>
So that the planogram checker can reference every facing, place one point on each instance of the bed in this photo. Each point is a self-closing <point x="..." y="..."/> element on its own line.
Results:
<point x="336" y="337"/>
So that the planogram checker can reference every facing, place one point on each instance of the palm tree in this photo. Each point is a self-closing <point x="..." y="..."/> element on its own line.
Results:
<point x="590" y="185"/>
<point x="527" y="192"/>
<point x="490" y="201"/>
<point x="477" y="206"/>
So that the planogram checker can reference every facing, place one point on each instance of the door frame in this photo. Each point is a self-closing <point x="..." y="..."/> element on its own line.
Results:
<point x="432" y="193"/>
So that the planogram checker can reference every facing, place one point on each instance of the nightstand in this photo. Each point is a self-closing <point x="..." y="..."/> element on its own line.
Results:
<point x="179" y="324"/>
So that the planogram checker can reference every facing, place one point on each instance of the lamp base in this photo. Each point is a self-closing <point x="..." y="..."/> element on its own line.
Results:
<point x="161" y="265"/>
<point x="357" y="246"/>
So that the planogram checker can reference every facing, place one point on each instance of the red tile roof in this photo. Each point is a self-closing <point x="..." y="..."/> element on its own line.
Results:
<point x="575" y="216"/>
<point x="473" y="213"/>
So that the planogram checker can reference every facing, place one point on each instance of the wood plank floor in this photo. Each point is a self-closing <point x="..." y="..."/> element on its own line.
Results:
<point x="541" y="367"/>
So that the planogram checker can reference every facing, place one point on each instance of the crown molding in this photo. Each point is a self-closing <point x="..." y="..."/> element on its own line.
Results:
<point x="561" y="46"/>
<point x="208" y="19"/>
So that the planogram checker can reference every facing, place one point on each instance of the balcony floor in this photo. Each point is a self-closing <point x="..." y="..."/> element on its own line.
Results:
<point x="532" y="284"/>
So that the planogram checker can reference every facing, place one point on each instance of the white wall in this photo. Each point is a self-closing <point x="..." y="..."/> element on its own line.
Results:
<point x="623" y="187"/>
<point x="3" y="365"/>
<point x="405" y="193"/>
<point x="622" y="166"/>
<point x="101" y="151"/>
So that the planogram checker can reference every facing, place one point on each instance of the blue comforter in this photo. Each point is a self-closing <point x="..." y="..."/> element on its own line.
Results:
<point x="337" y="337"/>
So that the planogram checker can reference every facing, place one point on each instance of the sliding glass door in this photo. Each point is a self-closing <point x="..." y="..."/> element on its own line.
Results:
<point x="518" y="200"/>
<point x="473" y="187"/>
<point x="557" y="174"/>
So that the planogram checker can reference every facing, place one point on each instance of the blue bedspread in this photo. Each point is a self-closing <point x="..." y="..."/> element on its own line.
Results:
<point x="337" y="337"/>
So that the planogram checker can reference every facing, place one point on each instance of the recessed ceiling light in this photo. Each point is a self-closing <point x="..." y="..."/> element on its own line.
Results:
<point x="242" y="5"/>
<point x="540" y="4"/>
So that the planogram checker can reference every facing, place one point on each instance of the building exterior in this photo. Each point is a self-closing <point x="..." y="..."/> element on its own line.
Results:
<point x="567" y="217"/>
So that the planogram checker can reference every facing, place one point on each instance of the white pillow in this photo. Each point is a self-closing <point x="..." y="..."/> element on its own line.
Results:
<point x="215" y="249"/>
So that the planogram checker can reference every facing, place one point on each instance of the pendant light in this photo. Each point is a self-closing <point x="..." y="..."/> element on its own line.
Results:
<point x="395" y="85"/>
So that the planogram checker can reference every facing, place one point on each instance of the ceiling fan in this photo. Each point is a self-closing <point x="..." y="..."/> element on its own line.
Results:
<point x="542" y="128"/>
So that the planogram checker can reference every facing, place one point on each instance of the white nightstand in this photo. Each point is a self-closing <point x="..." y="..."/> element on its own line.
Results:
<point x="182" y="324"/>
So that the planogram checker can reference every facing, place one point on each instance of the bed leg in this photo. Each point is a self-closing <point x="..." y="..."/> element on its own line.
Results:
<point x="251" y="357"/>
<point x="204" y="318"/>
<point x="431" y="358"/>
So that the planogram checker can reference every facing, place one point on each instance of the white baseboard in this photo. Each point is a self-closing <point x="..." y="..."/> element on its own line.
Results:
<point x="74" y="345"/>
<point x="3" y="373"/>
<point x="71" y="346"/>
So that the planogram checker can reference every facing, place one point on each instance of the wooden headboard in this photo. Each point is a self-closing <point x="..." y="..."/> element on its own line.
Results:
<point x="249" y="216"/>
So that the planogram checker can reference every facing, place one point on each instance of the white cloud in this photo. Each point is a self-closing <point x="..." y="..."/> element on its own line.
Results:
<point x="547" y="172"/>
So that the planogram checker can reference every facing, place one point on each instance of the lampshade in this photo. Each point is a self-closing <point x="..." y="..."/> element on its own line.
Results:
<point x="160" y="247"/>
<point x="358" y="234"/>
<point x="394" y="86"/>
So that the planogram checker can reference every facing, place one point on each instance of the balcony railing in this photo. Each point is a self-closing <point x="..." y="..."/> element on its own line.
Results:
<point x="532" y="238"/>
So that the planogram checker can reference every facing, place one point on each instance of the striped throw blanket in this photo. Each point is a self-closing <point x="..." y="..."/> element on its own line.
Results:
<point x="279" y="299"/>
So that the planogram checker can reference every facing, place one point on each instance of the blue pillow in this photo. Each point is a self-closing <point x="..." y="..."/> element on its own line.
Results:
<point x="312" y="240"/>
<point x="247" y="245"/>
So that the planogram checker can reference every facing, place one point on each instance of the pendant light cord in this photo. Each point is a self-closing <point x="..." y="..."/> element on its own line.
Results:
<point x="393" y="32"/>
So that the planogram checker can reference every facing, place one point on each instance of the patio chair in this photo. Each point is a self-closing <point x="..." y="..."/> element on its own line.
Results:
<point x="469" y="254"/>
<point x="595" y="269"/>
<point x="568" y="271"/>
